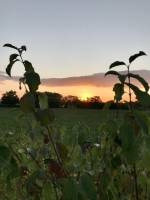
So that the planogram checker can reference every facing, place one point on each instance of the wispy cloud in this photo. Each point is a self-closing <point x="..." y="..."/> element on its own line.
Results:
<point x="95" y="80"/>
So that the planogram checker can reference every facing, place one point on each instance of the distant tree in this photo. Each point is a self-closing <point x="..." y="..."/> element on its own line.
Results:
<point x="95" y="102"/>
<point x="94" y="99"/>
<point x="54" y="99"/>
<point x="10" y="98"/>
<point x="71" y="101"/>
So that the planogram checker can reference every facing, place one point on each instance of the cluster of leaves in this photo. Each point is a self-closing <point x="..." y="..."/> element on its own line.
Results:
<point x="132" y="135"/>
<point x="124" y="80"/>
<point x="111" y="164"/>
<point x="30" y="78"/>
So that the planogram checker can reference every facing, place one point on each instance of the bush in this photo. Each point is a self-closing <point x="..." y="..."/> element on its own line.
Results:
<point x="10" y="98"/>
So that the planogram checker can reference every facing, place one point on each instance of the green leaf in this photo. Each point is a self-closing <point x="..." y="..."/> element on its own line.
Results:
<point x="21" y="81"/>
<point x="14" y="170"/>
<point x="130" y="144"/>
<point x="45" y="116"/>
<point x="13" y="57"/>
<point x="122" y="78"/>
<point x="142" y="97"/>
<point x="87" y="187"/>
<point x="10" y="45"/>
<point x="23" y="48"/>
<point x="119" y="91"/>
<point x="9" y="67"/>
<point x="28" y="66"/>
<point x="31" y="183"/>
<point x="27" y="103"/>
<point x="63" y="151"/>
<point x="4" y="155"/>
<point x="112" y="72"/>
<point x="142" y="120"/>
<point x="141" y="80"/>
<point x="145" y="162"/>
<point x="32" y="80"/>
<point x="116" y="63"/>
<point x="116" y="161"/>
<point x="133" y="57"/>
<point x="43" y="100"/>
<point x="70" y="189"/>
<point x="47" y="191"/>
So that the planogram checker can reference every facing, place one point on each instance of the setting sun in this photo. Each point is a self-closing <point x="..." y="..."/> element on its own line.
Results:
<point x="85" y="96"/>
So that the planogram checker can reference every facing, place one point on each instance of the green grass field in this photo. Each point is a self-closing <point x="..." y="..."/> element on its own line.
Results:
<point x="89" y="117"/>
<point x="68" y="121"/>
<point x="76" y="130"/>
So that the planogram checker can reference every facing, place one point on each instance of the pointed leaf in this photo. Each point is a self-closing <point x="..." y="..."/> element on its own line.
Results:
<point x="21" y="81"/>
<point x="142" y="97"/>
<point x="111" y="72"/>
<point x="9" y="67"/>
<point x="119" y="91"/>
<point x="32" y="80"/>
<point x="45" y="116"/>
<point x="122" y="78"/>
<point x="142" y="120"/>
<point x="27" y="102"/>
<point x="63" y="151"/>
<point x="4" y="155"/>
<point x="43" y="100"/>
<point x="116" y="63"/>
<point x="130" y="146"/>
<point x="88" y="187"/>
<point x="133" y="57"/>
<point x="70" y="189"/>
<point x="10" y="45"/>
<point x="13" y="57"/>
<point x="24" y="48"/>
<point x="28" y="66"/>
<point x="141" y="80"/>
<point x="47" y="191"/>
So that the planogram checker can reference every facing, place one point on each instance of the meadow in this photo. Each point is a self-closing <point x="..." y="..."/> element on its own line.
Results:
<point x="63" y="116"/>
<point x="75" y="154"/>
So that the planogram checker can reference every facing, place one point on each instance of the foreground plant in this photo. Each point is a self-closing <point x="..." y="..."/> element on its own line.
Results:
<point x="110" y="164"/>
<point x="133" y="132"/>
<point x="52" y="170"/>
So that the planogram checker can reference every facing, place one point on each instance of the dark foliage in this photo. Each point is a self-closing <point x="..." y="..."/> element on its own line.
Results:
<point x="10" y="98"/>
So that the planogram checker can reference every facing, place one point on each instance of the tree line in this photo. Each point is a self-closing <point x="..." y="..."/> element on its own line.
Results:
<point x="56" y="100"/>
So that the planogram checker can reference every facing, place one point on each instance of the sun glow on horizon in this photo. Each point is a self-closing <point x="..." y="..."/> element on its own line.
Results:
<point x="82" y="92"/>
<point x="85" y="96"/>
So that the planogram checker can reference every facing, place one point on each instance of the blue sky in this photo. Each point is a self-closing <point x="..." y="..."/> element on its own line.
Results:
<point x="75" y="37"/>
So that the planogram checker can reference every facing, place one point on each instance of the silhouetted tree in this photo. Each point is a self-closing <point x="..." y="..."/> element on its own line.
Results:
<point x="10" y="98"/>
<point x="54" y="99"/>
<point x="94" y="99"/>
<point x="70" y="101"/>
<point x="95" y="102"/>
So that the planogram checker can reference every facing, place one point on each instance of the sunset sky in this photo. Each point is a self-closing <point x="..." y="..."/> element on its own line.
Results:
<point x="68" y="38"/>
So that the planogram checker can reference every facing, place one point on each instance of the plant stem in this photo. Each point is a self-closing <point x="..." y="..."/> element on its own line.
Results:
<point x="24" y="66"/>
<point x="129" y="81"/>
<point x="55" y="150"/>
<point x="54" y="147"/>
<point x="134" y="165"/>
<point x="55" y="187"/>
<point x="21" y="58"/>
<point x="135" y="182"/>
<point x="146" y="191"/>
